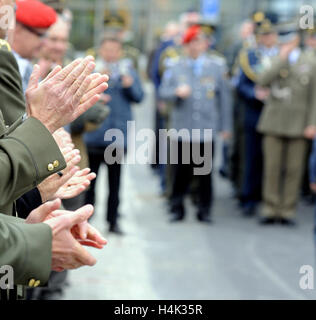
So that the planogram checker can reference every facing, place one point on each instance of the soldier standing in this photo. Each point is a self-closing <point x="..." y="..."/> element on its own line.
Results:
<point x="253" y="96"/>
<point x="201" y="100"/>
<point x="288" y="118"/>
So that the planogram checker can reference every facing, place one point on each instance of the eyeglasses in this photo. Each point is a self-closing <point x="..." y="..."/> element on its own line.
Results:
<point x="34" y="31"/>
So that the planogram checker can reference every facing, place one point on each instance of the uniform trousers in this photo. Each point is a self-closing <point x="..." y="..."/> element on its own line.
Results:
<point x="182" y="176"/>
<point x="284" y="160"/>
<point x="96" y="158"/>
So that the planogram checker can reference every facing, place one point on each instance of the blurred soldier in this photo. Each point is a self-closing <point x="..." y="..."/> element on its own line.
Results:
<point x="33" y="19"/>
<point x="201" y="100"/>
<point x="247" y="41"/>
<point x="289" y="117"/>
<point x="252" y="60"/>
<point x="166" y="50"/>
<point x="124" y="89"/>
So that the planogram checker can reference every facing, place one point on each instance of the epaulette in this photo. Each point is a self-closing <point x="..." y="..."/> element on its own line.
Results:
<point x="4" y="45"/>
<point x="245" y="65"/>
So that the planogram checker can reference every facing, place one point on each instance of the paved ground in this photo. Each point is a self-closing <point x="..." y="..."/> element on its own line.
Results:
<point x="234" y="258"/>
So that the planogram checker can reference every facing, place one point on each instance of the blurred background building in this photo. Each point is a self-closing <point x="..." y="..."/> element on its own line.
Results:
<point x="146" y="18"/>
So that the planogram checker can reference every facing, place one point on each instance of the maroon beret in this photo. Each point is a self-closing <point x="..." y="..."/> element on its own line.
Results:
<point x="35" y="14"/>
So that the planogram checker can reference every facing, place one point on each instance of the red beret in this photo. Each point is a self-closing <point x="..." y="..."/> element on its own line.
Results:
<point x="191" y="33"/>
<point x="35" y="14"/>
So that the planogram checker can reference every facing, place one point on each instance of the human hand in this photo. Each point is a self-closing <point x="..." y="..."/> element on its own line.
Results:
<point x="183" y="91"/>
<point x="78" y="183"/>
<point x="105" y="98"/>
<point x="225" y="135"/>
<point x="310" y="132"/>
<point x="127" y="81"/>
<point x="84" y="233"/>
<point x="58" y="99"/>
<point x="67" y="252"/>
<point x="63" y="139"/>
<point x="313" y="187"/>
<point x="261" y="93"/>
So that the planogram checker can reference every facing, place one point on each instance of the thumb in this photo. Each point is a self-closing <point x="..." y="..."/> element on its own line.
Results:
<point x="45" y="209"/>
<point x="35" y="76"/>
<point x="81" y="215"/>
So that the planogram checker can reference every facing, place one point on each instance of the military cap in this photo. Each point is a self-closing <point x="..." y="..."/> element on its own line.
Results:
<point x="257" y="17"/>
<point x="35" y="14"/>
<point x="287" y="31"/>
<point x="268" y="24"/>
<point x="114" y="21"/>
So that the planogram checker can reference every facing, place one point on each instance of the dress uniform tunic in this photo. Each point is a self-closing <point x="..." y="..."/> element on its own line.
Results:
<point x="290" y="108"/>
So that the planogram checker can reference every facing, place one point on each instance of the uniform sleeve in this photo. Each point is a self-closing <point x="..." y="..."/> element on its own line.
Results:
<point x="168" y="86"/>
<point x="135" y="92"/>
<point x="265" y="77"/>
<point x="28" y="155"/>
<point x="311" y="120"/>
<point x="27" y="248"/>
<point x="11" y="92"/>
<point x="226" y="104"/>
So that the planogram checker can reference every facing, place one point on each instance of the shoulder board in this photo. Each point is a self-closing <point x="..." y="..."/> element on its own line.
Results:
<point x="4" y="45"/>
<point x="245" y="65"/>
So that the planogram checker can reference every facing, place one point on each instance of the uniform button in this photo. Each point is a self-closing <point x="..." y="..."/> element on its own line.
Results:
<point x="37" y="283"/>
<point x="31" y="283"/>
<point x="56" y="163"/>
<point x="50" y="167"/>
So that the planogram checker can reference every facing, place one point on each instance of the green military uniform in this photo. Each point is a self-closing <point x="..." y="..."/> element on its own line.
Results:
<point x="39" y="164"/>
<point x="12" y="99"/>
<point x="24" y="164"/>
<point x="290" y="108"/>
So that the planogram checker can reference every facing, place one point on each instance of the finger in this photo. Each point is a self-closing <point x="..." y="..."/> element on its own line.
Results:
<point x="94" y="235"/>
<point x="81" y="91"/>
<point x="76" y="73"/>
<point x="90" y="243"/>
<point x="35" y="76"/>
<point x="63" y="73"/>
<point x="80" y="215"/>
<point x="95" y="88"/>
<point x="52" y="73"/>
<point x="83" y="230"/>
<point x="83" y="172"/>
<point x="68" y="194"/>
<point x="83" y="256"/>
<point x="45" y="209"/>
<point x="82" y="108"/>
<point x="85" y="78"/>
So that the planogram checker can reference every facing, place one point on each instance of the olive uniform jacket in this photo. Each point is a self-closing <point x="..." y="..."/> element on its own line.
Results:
<point x="27" y="154"/>
<point x="291" y="106"/>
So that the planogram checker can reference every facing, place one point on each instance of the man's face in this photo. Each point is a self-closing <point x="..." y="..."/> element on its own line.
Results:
<point x="197" y="47"/>
<point x="55" y="45"/>
<point x="32" y="39"/>
<point x="111" y="51"/>
<point x="268" y="40"/>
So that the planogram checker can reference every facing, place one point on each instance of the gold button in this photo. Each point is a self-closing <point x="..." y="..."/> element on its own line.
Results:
<point x="37" y="283"/>
<point x="31" y="283"/>
<point x="56" y="163"/>
<point x="50" y="167"/>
